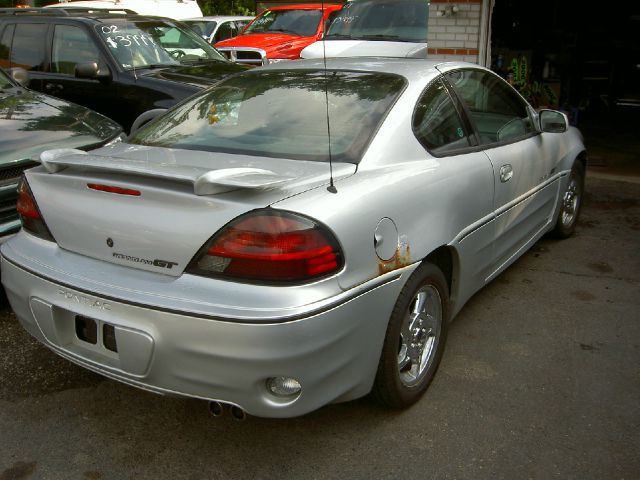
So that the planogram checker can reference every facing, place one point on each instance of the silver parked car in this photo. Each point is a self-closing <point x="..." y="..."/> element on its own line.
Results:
<point x="216" y="28"/>
<point x="243" y="250"/>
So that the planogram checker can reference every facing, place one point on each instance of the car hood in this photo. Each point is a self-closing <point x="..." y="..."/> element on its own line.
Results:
<point x="364" y="48"/>
<point x="201" y="75"/>
<point x="265" y="41"/>
<point x="184" y="197"/>
<point x="31" y="122"/>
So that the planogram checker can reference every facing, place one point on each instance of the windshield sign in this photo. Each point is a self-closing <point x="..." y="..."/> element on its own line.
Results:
<point x="145" y="44"/>
<point x="387" y="20"/>
<point x="281" y="114"/>
<point x="303" y="23"/>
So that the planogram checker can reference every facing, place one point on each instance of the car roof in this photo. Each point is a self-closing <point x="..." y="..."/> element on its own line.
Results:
<point x="308" y="6"/>
<point x="217" y="18"/>
<point x="77" y="13"/>
<point x="410" y="68"/>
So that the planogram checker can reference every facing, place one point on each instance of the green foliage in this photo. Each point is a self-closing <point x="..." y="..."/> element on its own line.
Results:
<point x="537" y="93"/>
<point x="227" y="7"/>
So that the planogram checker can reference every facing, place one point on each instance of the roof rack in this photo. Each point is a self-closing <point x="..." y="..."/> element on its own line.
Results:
<point x="56" y="12"/>
<point x="64" y="11"/>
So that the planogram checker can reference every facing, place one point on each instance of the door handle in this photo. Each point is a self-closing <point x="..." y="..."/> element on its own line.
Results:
<point x="53" y="86"/>
<point x="506" y="172"/>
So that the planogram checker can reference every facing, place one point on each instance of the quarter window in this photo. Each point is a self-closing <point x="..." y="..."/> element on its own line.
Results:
<point x="436" y="123"/>
<point x="498" y="112"/>
<point x="71" y="45"/>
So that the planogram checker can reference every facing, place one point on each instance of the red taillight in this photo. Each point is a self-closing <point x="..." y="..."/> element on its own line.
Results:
<point x="26" y="205"/>
<point x="112" y="189"/>
<point x="270" y="246"/>
<point x="29" y="214"/>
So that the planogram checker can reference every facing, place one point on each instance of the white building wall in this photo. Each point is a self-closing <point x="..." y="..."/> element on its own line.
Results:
<point x="455" y="30"/>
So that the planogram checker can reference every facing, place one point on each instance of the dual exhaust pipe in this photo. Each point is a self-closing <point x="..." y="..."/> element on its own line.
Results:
<point x="217" y="409"/>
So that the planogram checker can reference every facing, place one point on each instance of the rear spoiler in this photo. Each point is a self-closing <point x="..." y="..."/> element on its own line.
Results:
<point x="205" y="182"/>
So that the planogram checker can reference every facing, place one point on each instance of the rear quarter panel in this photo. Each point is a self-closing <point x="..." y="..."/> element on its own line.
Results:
<point x="432" y="201"/>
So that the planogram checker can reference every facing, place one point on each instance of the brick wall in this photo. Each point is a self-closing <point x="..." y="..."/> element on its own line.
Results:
<point x="455" y="36"/>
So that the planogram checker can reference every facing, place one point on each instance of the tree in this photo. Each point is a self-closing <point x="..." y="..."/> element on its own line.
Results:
<point x="227" y="7"/>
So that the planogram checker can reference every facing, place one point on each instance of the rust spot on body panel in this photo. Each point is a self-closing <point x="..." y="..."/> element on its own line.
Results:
<point x="400" y="259"/>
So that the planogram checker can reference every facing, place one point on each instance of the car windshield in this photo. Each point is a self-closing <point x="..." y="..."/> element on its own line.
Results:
<point x="202" y="27"/>
<point x="281" y="114"/>
<point x="303" y="23"/>
<point x="391" y="20"/>
<point x="152" y="43"/>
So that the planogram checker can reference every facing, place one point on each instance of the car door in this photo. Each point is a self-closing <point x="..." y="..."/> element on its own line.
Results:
<point x="525" y="191"/>
<point x="446" y="134"/>
<point x="71" y="45"/>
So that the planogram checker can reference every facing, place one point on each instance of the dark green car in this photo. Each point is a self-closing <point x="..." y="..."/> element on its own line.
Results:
<point x="30" y="123"/>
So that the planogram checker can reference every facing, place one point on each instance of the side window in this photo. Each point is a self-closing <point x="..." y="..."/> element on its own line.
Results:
<point x="226" y="30"/>
<point x="436" y="123"/>
<point x="497" y="111"/>
<point x="71" y="45"/>
<point x="5" y="46"/>
<point x="171" y="37"/>
<point x="241" y="24"/>
<point x="28" y="46"/>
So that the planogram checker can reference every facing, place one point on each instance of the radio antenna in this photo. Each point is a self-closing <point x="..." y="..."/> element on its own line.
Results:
<point x="331" y="188"/>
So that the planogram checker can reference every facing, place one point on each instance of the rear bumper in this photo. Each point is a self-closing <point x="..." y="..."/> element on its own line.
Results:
<point x="333" y="352"/>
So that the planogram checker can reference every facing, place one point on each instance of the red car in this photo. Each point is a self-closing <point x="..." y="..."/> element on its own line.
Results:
<point x="278" y="34"/>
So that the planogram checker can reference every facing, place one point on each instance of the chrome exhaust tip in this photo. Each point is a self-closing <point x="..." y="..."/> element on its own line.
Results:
<point x="215" y="408"/>
<point x="237" y="413"/>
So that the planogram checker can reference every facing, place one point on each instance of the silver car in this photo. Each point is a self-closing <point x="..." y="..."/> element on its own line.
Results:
<point x="292" y="237"/>
<point x="216" y="28"/>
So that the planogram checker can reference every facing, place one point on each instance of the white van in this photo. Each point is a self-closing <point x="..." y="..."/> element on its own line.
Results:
<point x="177" y="9"/>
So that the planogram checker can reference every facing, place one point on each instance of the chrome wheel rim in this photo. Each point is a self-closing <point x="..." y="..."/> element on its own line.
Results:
<point x="570" y="202"/>
<point x="419" y="335"/>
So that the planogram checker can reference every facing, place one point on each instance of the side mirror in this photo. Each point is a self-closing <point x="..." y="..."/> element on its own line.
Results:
<point x="552" y="121"/>
<point x="92" y="71"/>
<point x="20" y="76"/>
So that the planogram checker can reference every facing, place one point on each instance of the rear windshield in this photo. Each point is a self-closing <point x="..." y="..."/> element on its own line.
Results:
<point x="303" y="23"/>
<point x="281" y="114"/>
<point x="201" y="27"/>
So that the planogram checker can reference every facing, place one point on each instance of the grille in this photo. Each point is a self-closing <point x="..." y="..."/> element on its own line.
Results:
<point x="10" y="175"/>
<point x="249" y="55"/>
<point x="8" y="210"/>
<point x="13" y="173"/>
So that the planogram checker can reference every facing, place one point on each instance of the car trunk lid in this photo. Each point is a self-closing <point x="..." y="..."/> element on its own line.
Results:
<point x="153" y="208"/>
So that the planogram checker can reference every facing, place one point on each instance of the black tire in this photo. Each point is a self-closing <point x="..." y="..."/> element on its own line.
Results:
<point x="571" y="203"/>
<point x="399" y="384"/>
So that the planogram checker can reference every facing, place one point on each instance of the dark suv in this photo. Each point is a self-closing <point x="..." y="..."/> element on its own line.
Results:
<point x="127" y="67"/>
